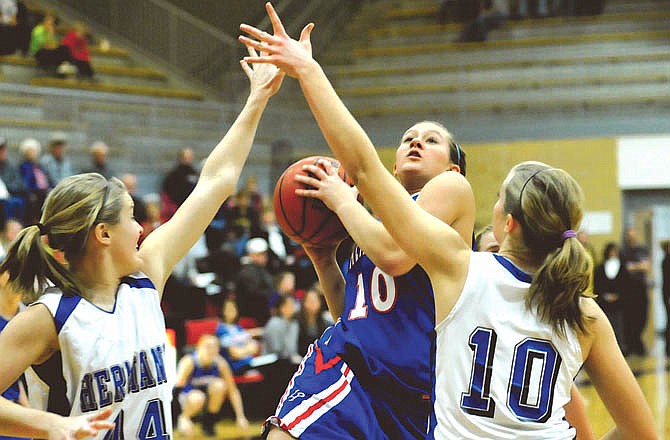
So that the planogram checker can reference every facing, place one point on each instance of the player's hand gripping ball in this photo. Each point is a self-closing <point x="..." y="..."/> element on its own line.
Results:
<point x="305" y="220"/>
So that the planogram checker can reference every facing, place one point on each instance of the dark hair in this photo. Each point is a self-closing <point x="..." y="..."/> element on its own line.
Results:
<point x="457" y="155"/>
<point x="546" y="202"/>
<point x="608" y="248"/>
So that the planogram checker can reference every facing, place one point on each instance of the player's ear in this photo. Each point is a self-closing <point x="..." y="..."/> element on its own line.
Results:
<point x="395" y="169"/>
<point x="454" y="167"/>
<point x="101" y="233"/>
<point x="511" y="223"/>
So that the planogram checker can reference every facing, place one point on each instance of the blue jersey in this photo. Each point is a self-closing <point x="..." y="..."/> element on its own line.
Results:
<point x="386" y="334"/>
<point x="202" y="375"/>
<point x="11" y="393"/>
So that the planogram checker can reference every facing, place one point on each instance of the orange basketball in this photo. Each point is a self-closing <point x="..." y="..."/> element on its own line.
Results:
<point x="307" y="221"/>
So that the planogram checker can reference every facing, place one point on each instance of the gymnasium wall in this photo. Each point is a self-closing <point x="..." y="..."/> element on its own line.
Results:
<point x="592" y="162"/>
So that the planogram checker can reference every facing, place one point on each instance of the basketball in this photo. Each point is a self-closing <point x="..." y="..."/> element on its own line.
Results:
<point x="305" y="220"/>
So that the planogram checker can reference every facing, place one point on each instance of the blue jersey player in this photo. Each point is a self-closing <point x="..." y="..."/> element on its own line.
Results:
<point x="378" y="360"/>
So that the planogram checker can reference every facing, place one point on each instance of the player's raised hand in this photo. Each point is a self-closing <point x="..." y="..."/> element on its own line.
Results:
<point x="289" y="55"/>
<point x="75" y="428"/>
<point x="326" y="185"/>
<point x="263" y="78"/>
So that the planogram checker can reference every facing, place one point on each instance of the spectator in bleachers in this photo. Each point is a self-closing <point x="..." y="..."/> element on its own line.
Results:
<point x="8" y="30"/>
<point x="179" y="182"/>
<point x="250" y="188"/>
<point x="8" y="234"/>
<point x="237" y="345"/>
<point x="285" y="285"/>
<point x="280" y="335"/>
<point x="278" y="242"/>
<point x="310" y="319"/>
<point x="23" y="29"/>
<point x="206" y="381"/>
<point x="14" y="205"/>
<point x="458" y="11"/>
<point x="241" y="218"/>
<point x="635" y="260"/>
<point x="609" y="283"/>
<point x="55" y="163"/>
<point x="76" y="40"/>
<point x="34" y="177"/>
<point x="491" y="15"/>
<point x="254" y="284"/>
<point x="48" y="52"/>
<point x="140" y="209"/>
<point x="154" y="219"/>
<point x="99" y="152"/>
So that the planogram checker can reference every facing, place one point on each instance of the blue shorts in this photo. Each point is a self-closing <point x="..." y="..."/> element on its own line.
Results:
<point x="324" y="400"/>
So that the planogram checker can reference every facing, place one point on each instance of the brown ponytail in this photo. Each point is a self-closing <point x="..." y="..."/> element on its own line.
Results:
<point x="547" y="202"/>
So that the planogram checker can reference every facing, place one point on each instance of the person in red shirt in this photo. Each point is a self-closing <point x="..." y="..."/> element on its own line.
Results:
<point x="76" y="40"/>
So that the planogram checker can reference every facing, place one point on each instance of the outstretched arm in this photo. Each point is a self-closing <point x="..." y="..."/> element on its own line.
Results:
<point x="170" y="242"/>
<point x="18" y="421"/>
<point x="449" y="199"/>
<point x="418" y="233"/>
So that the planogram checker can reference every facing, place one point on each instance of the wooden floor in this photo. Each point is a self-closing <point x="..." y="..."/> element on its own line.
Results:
<point x="651" y="372"/>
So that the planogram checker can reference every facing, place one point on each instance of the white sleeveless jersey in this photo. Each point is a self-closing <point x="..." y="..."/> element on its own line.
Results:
<point x="501" y="373"/>
<point x="108" y="359"/>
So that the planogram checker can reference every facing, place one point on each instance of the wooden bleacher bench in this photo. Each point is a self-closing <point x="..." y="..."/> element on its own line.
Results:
<point x="71" y="83"/>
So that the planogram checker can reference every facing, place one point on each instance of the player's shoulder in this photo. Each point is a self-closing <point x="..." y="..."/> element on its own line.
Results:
<point x="449" y="182"/>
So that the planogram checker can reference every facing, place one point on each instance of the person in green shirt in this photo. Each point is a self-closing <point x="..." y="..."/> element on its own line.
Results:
<point x="47" y="50"/>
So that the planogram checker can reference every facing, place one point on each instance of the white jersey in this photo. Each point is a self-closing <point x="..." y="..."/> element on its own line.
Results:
<point x="108" y="359"/>
<point x="501" y="373"/>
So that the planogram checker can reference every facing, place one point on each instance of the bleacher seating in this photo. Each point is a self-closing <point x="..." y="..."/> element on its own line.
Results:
<point x="410" y="65"/>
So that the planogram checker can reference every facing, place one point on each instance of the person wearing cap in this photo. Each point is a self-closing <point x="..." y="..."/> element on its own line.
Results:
<point x="254" y="283"/>
<point x="55" y="163"/>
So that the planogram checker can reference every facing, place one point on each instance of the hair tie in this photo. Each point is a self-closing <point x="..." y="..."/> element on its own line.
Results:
<point x="568" y="234"/>
<point x="43" y="229"/>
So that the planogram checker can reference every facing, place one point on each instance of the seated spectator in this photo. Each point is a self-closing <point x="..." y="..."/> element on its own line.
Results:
<point x="34" y="177"/>
<point x="8" y="234"/>
<point x="55" y="163"/>
<point x="310" y="319"/>
<point x="14" y="205"/>
<point x="99" y="152"/>
<point x="206" y="382"/>
<point x="48" y="53"/>
<point x="76" y="40"/>
<point x="152" y="205"/>
<point x="180" y="181"/>
<point x="237" y="345"/>
<point x="254" y="284"/>
<point x="278" y="242"/>
<point x="139" y="209"/>
<point x="285" y="285"/>
<point x="8" y="30"/>
<point x="280" y="335"/>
